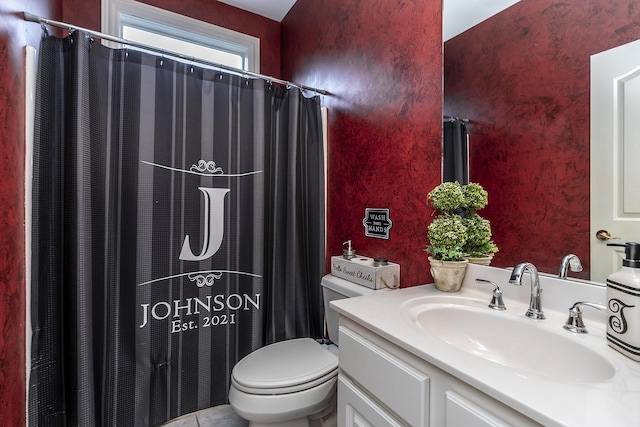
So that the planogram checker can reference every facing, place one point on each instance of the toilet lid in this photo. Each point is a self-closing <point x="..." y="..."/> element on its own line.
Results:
<point x="285" y="364"/>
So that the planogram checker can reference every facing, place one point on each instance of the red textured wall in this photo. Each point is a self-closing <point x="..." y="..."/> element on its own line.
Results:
<point x="86" y="14"/>
<point x="382" y="64"/>
<point x="15" y="33"/>
<point x="522" y="78"/>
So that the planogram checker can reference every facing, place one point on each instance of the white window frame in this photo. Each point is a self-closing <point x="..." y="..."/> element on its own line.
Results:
<point x="118" y="13"/>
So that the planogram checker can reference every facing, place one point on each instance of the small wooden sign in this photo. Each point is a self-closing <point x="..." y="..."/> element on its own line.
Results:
<point x="377" y="223"/>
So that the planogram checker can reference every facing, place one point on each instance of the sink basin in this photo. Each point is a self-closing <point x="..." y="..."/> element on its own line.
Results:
<point x="506" y="339"/>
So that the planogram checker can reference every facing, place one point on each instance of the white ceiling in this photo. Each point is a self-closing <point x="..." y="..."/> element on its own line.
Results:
<point x="458" y="15"/>
<point x="273" y="9"/>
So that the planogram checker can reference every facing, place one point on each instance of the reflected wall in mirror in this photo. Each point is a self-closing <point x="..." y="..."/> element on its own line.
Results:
<point x="522" y="79"/>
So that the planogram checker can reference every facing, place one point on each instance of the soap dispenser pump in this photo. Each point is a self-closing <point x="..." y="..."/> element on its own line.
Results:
<point x="623" y="303"/>
<point x="349" y="252"/>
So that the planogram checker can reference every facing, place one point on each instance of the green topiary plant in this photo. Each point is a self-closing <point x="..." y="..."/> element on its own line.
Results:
<point x="475" y="197"/>
<point x="479" y="243"/>
<point x="458" y="231"/>
<point x="447" y="232"/>
<point x="447" y="197"/>
<point x="447" y="237"/>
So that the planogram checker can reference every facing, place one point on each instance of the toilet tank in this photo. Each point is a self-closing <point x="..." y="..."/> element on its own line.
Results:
<point x="335" y="288"/>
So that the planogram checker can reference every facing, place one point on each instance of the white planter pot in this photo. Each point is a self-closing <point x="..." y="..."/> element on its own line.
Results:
<point x="448" y="275"/>
<point x="485" y="260"/>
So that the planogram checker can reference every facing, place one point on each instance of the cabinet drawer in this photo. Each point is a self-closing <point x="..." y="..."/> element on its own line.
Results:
<point x="397" y="385"/>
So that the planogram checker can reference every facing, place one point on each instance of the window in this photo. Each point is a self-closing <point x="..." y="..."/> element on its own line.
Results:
<point x="170" y="31"/>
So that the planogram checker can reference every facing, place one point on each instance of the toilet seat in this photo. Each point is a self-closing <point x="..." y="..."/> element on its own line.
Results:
<point x="285" y="367"/>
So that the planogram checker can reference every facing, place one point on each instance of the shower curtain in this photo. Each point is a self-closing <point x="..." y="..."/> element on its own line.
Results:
<point x="455" y="152"/>
<point x="177" y="226"/>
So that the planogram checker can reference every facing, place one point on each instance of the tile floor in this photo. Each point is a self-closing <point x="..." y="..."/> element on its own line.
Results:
<point x="218" y="416"/>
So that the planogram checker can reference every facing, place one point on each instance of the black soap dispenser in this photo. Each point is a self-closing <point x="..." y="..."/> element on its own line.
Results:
<point x="623" y="303"/>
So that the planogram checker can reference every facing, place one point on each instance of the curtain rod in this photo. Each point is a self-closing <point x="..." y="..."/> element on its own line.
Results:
<point x="453" y="119"/>
<point x="34" y="18"/>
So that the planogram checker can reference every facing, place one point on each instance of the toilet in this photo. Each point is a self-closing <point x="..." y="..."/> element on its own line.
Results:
<point x="292" y="383"/>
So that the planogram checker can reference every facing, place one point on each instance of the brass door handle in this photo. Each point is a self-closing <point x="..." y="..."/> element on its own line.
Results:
<point x="604" y="235"/>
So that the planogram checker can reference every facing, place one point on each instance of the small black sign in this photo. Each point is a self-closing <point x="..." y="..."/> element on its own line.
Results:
<point x="377" y="223"/>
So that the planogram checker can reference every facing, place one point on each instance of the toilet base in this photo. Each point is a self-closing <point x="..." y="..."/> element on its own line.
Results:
<point x="285" y="409"/>
<point x="292" y="423"/>
<point x="328" y="418"/>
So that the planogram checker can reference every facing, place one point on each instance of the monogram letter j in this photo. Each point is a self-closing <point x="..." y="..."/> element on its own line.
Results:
<point x="213" y="225"/>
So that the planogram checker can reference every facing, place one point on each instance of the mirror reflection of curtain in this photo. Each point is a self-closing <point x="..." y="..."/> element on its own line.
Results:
<point x="455" y="155"/>
<point x="133" y="322"/>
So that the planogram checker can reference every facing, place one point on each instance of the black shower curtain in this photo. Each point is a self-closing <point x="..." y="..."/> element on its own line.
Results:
<point x="455" y="155"/>
<point x="178" y="224"/>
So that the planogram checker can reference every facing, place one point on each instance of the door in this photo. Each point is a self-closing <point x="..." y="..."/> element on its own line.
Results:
<point x="615" y="156"/>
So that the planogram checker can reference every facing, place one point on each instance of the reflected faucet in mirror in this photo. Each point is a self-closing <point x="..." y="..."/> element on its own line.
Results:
<point x="569" y="261"/>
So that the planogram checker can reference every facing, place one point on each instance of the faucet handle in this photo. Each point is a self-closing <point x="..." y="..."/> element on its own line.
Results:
<point x="496" y="302"/>
<point x="574" y="322"/>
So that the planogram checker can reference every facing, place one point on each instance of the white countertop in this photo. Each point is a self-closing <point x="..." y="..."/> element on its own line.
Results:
<point x="549" y="401"/>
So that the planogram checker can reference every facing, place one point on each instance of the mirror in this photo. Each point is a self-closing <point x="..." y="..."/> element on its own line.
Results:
<point x="522" y="79"/>
<point x="615" y="182"/>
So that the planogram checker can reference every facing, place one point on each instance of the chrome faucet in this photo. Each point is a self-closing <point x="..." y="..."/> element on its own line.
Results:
<point x="535" y="306"/>
<point x="569" y="261"/>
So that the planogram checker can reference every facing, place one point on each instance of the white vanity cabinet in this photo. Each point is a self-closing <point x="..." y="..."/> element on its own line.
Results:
<point x="377" y="388"/>
<point x="381" y="384"/>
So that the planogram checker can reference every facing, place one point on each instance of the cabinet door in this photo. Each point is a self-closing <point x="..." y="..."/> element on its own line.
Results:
<point x="356" y="409"/>
<point x="463" y="412"/>
<point x="386" y="378"/>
